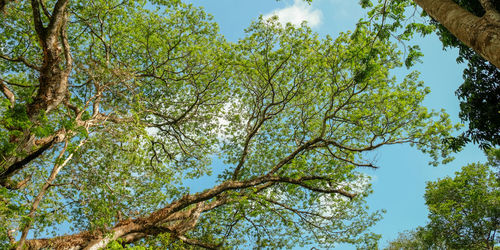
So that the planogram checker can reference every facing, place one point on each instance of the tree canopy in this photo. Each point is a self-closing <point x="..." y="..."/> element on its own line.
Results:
<point x="480" y="92"/>
<point x="464" y="210"/>
<point x="111" y="106"/>
<point x="470" y="26"/>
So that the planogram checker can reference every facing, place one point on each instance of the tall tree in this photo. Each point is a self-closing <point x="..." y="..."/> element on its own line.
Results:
<point x="112" y="106"/>
<point x="480" y="93"/>
<point x="464" y="211"/>
<point x="477" y="29"/>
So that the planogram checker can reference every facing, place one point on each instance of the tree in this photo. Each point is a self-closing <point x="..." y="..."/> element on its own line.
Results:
<point x="480" y="92"/>
<point x="454" y="19"/>
<point x="480" y="102"/>
<point x="463" y="211"/>
<point x="476" y="29"/>
<point x="111" y="106"/>
<point x="412" y="239"/>
<point x="479" y="33"/>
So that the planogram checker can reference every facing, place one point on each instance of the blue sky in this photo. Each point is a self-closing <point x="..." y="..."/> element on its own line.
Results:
<point x="399" y="183"/>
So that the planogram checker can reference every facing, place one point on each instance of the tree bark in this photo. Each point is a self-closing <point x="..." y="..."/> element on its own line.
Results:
<point x="54" y="74"/>
<point x="53" y="78"/>
<point x="482" y="34"/>
<point x="177" y="218"/>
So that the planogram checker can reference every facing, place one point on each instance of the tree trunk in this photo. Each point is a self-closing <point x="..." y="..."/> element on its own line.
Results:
<point x="482" y="34"/>
<point x="54" y="73"/>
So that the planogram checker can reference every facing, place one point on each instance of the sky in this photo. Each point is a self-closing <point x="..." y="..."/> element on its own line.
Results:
<point x="399" y="183"/>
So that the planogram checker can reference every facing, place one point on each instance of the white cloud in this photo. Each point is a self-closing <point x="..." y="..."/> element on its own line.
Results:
<point x="297" y="13"/>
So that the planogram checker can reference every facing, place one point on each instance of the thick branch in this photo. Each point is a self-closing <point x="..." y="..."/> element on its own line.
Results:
<point x="18" y="165"/>
<point x="20" y="59"/>
<point x="488" y="6"/>
<point x="141" y="227"/>
<point x="42" y="144"/>
<point x="66" y="48"/>
<point x="57" y="18"/>
<point x="8" y="93"/>
<point x="37" y="20"/>
<point x="482" y="34"/>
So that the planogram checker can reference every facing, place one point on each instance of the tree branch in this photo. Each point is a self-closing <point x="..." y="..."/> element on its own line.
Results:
<point x="291" y="156"/>
<point x="22" y="60"/>
<point x="37" y="20"/>
<point x="370" y="165"/>
<point x="198" y="243"/>
<point x="48" y="183"/>
<point x="66" y="48"/>
<point x="45" y="11"/>
<point x="43" y="143"/>
<point x="57" y="18"/>
<point x="141" y="227"/>
<point x="488" y="6"/>
<point x="18" y="165"/>
<point x="8" y="93"/>
<point x="301" y="182"/>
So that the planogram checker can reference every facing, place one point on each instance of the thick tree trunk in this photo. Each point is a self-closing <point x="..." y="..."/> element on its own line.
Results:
<point x="482" y="34"/>
<point x="54" y="73"/>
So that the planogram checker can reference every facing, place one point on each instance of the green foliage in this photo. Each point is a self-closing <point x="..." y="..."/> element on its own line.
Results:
<point x="408" y="240"/>
<point x="413" y="56"/>
<point x="464" y="210"/>
<point x="156" y="93"/>
<point x="8" y="212"/>
<point x="479" y="95"/>
<point x="365" y="3"/>
<point x="480" y="102"/>
<point x="119" y="245"/>
<point x="14" y="121"/>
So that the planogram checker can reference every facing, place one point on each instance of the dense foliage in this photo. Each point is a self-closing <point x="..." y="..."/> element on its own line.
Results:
<point x="464" y="210"/>
<point x="480" y="93"/>
<point x="112" y="107"/>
